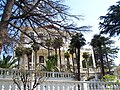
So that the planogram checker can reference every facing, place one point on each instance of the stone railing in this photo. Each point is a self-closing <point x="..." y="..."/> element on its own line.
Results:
<point x="91" y="70"/>
<point x="9" y="73"/>
<point x="6" y="84"/>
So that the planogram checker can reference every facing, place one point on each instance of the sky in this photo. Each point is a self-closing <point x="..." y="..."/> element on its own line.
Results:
<point x="91" y="10"/>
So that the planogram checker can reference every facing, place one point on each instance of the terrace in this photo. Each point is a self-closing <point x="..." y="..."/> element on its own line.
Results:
<point x="53" y="81"/>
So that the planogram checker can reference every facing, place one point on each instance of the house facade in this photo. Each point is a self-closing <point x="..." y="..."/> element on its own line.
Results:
<point x="28" y="61"/>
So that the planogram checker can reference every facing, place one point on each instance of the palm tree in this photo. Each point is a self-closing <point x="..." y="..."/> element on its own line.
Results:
<point x="50" y="64"/>
<point x="48" y="43"/>
<point x="105" y="42"/>
<point x="57" y="43"/>
<point x="86" y="57"/>
<point x="110" y="23"/>
<point x="8" y="62"/>
<point x="104" y="51"/>
<point x="72" y="51"/>
<point x="97" y="43"/>
<point x="78" y="41"/>
<point x="67" y="56"/>
<point x="35" y="47"/>
<point x="110" y="53"/>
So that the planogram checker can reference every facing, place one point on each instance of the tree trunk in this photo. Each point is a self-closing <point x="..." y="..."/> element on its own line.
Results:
<point x="78" y="67"/>
<point x="55" y="51"/>
<point x="73" y="64"/>
<point x="87" y="65"/>
<point x="102" y="63"/>
<point x="6" y="14"/>
<point x="60" y="58"/>
<point x="76" y="56"/>
<point x="56" y="55"/>
<point x="48" y="51"/>
<point x="68" y="63"/>
<point x="108" y="65"/>
<point x="28" y="64"/>
<point x="5" y="19"/>
<point x="18" y="62"/>
<point x="78" y="64"/>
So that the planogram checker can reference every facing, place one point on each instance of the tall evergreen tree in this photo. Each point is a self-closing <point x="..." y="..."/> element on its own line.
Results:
<point x="102" y="47"/>
<point x="78" y="41"/>
<point x="57" y="43"/>
<point x="110" y="23"/>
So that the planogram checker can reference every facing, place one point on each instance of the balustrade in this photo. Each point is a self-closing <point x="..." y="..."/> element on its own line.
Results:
<point x="64" y="85"/>
<point x="5" y="73"/>
<point x="61" y="83"/>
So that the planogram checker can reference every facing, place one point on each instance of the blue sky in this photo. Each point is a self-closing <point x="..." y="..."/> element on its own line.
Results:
<point x="91" y="10"/>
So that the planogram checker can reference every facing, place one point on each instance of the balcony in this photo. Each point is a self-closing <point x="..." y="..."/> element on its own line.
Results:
<point x="10" y="73"/>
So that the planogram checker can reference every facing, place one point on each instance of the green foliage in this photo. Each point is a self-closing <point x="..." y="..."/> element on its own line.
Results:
<point x="57" y="42"/>
<point x="8" y="62"/>
<point x="87" y="60"/>
<point x="35" y="47"/>
<point x="85" y="55"/>
<point x="28" y="51"/>
<point x="51" y="63"/>
<point x="67" y="55"/>
<point x="78" y="40"/>
<point x="110" y="23"/>
<point x="84" y="64"/>
<point x="19" y="51"/>
<point x="109" y="78"/>
<point x="53" y="58"/>
<point x="90" y="61"/>
<point x="71" y="49"/>
<point x="104" y="50"/>
<point x="48" y="42"/>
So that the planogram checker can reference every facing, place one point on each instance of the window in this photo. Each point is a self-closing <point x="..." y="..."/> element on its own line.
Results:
<point x="41" y="59"/>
